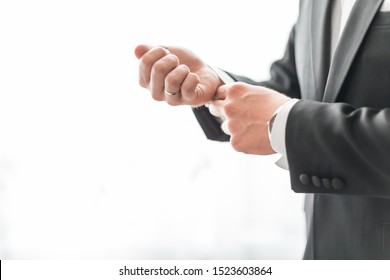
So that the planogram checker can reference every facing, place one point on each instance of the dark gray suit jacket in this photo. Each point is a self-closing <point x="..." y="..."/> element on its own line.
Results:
<point x="338" y="135"/>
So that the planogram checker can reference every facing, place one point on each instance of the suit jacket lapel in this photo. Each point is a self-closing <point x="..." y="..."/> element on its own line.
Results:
<point x="320" y="44"/>
<point x="356" y="27"/>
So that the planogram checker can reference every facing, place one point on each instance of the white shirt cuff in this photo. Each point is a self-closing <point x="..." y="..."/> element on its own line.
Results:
<point x="223" y="76"/>
<point x="278" y="134"/>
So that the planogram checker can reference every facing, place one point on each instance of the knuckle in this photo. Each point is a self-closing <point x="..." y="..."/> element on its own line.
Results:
<point x="173" y="58"/>
<point x="233" y="126"/>
<point x="230" y="109"/>
<point x="153" y="55"/>
<point x="165" y="64"/>
<point x="235" y="142"/>
<point x="157" y="96"/>
<point x="146" y="60"/>
<point x="237" y="87"/>
<point x="159" y="66"/>
<point x="173" y="101"/>
<point x="161" y="50"/>
<point x="184" y="68"/>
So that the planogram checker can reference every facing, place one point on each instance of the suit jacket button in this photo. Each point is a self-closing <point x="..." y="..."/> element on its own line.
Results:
<point x="316" y="181"/>
<point x="326" y="183"/>
<point x="304" y="179"/>
<point x="337" y="184"/>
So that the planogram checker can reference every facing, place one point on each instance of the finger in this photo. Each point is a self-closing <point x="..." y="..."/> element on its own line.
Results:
<point x="146" y="63"/>
<point x="160" y="70"/>
<point x="175" y="78"/>
<point x="216" y="109"/>
<point x="221" y="93"/>
<point x="224" y="127"/>
<point x="140" y="50"/>
<point x="189" y="86"/>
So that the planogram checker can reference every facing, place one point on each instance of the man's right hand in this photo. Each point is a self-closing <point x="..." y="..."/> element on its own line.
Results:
<point x="176" y="75"/>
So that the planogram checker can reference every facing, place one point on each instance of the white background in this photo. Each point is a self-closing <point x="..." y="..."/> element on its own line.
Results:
<point x="91" y="167"/>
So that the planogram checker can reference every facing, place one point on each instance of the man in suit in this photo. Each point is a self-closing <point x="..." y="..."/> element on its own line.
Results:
<point x="331" y="124"/>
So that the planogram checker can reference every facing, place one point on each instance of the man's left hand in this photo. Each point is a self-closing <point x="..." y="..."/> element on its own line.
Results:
<point x="246" y="111"/>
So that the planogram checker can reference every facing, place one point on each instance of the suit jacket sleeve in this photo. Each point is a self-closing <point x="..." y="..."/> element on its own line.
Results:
<point x="345" y="150"/>
<point x="283" y="79"/>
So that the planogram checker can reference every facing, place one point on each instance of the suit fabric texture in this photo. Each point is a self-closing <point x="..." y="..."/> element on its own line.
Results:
<point x="338" y="134"/>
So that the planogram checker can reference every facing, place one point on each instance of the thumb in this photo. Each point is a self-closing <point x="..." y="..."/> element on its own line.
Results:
<point x="140" y="50"/>
<point x="221" y="93"/>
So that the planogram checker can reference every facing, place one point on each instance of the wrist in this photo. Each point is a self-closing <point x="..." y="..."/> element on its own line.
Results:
<point x="277" y="130"/>
<point x="270" y="125"/>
